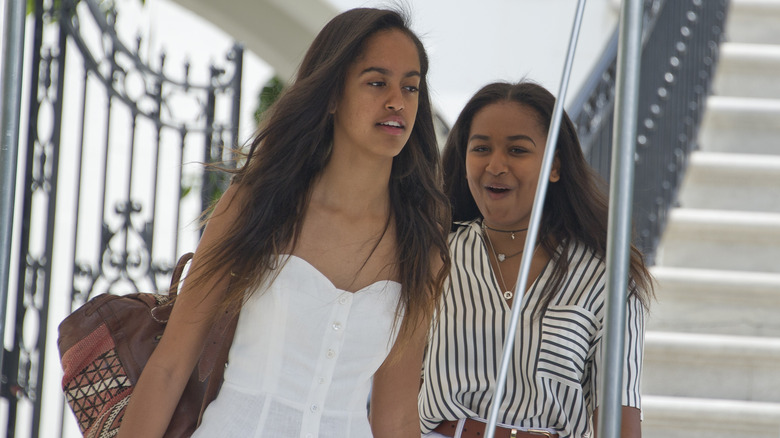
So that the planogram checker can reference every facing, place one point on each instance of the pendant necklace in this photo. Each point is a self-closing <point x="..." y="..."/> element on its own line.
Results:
<point x="508" y="294"/>
<point x="512" y="232"/>
<point x="499" y="255"/>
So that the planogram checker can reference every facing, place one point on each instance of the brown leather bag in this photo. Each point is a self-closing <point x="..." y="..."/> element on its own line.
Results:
<point x="105" y="344"/>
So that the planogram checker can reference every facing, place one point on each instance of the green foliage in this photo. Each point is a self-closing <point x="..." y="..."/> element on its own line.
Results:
<point x="31" y="6"/>
<point x="216" y="183"/>
<point x="186" y="188"/>
<point x="105" y="4"/>
<point x="269" y="94"/>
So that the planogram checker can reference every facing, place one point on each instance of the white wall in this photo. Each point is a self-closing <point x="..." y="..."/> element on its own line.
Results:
<point x="471" y="43"/>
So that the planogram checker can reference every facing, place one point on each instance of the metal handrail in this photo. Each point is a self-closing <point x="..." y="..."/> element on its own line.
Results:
<point x="619" y="224"/>
<point x="13" y="60"/>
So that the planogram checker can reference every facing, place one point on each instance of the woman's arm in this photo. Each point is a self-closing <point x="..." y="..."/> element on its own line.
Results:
<point x="395" y="389"/>
<point x="630" y="423"/>
<point x="166" y="373"/>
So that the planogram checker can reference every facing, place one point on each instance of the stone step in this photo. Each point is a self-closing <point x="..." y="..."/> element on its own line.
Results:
<point x="715" y="302"/>
<point x="721" y="240"/>
<point x="753" y="21"/>
<point x="712" y="366"/>
<point x="679" y="417"/>
<point x="723" y="181"/>
<point x="741" y="125"/>
<point x="748" y="70"/>
<point x="713" y="343"/>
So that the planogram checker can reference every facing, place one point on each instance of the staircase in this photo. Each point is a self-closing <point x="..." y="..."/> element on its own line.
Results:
<point x="712" y="349"/>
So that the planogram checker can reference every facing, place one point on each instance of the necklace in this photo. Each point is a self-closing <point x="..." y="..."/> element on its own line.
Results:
<point x="504" y="231"/>
<point x="499" y="255"/>
<point x="508" y="294"/>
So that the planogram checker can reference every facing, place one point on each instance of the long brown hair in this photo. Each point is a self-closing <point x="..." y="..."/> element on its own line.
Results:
<point x="292" y="148"/>
<point x="576" y="207"/>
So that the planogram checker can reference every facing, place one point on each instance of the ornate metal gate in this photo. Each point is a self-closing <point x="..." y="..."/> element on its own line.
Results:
<point x="113" y="184"/>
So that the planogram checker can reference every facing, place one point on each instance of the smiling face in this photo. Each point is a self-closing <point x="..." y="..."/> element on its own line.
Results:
<point x="377" y="109"/>
<point x="503" y="159"/>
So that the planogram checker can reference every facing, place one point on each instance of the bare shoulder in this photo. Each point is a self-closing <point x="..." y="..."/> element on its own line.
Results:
<point x="202" y="294"/>
<point x="230" y="203"/>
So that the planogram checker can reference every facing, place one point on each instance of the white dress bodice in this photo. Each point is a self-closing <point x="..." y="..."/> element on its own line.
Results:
<point x="303" y="358"/>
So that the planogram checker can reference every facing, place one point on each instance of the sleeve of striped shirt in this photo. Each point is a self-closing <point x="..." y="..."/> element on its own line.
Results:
<point x="634" y="348"/>
<point x="632" y="358"/>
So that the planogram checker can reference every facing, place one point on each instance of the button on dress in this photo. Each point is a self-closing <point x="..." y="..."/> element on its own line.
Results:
<point x="303" y="358"/>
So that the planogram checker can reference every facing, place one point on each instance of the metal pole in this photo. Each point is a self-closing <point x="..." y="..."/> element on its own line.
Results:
<point x="620" y="201"/>
<point x="536" y="218"/>
<point x="13" y="60"/>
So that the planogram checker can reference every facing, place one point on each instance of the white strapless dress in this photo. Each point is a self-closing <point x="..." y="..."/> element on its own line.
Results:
<point x="303" y="358"/>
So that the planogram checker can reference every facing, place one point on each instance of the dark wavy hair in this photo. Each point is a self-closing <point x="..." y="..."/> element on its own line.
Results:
<point x="293" y="146"/>
<point x="576" y="206"/>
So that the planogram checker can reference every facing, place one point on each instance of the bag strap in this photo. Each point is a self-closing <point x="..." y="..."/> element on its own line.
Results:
<point x="218" y="341"/>
<point x="173" y="289"/>
<point x="217" y="373"/>
<point x="221" y="331"/>
<point x="219" y="338"/>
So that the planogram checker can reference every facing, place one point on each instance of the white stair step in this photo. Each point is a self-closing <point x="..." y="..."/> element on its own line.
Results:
<point x="753" y="21"/>
<point x="715" y="302"/>
<point x="712" y="366"/>
<point x="741" y="125"/>
<point x="712" y="352"/>
<point x="721" y="240"/>
<point x="748" y="70"/>
<point x="723" y="181"/>
<point x="677" y="417"/>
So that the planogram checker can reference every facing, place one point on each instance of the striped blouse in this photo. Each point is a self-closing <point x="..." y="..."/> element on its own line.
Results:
<point x="553" y="377"/>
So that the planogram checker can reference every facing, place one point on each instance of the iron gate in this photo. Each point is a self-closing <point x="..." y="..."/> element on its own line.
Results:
<point x="113" y="181"/>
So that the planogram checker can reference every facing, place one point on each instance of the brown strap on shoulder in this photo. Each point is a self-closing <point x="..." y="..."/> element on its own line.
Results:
<point x="218" y="341"/>
<point x="219" y="337"/>
<point x="217" y="370"/>
<point x="173" y="290"/>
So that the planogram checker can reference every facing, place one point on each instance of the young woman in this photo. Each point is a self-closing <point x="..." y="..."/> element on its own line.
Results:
<point x="332" y="239"/>
<point x="492" y="162"/>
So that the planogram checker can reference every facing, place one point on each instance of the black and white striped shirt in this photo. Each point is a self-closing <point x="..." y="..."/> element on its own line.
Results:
<point x="552" y="380"/>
